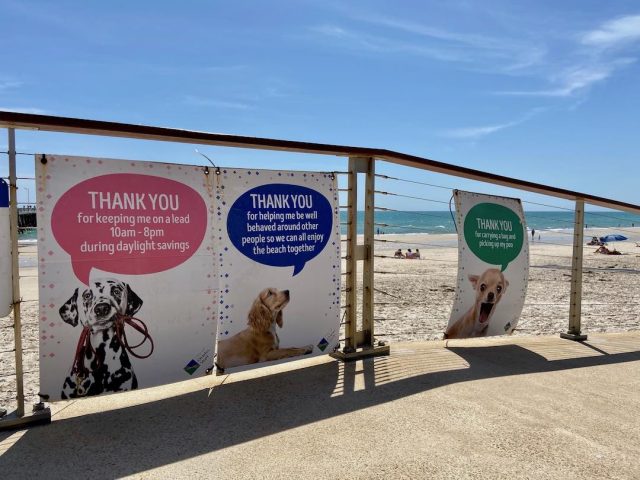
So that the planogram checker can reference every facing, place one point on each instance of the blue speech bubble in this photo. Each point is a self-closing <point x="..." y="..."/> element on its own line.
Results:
<point x="280" y="225"/>
<point x="4" y="193"/>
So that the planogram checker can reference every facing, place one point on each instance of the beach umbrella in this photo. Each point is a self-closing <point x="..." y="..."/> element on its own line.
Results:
<point x="615" y="237"/>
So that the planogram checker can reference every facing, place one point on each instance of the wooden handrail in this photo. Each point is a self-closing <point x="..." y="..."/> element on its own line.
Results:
<point x="114" y="129"/>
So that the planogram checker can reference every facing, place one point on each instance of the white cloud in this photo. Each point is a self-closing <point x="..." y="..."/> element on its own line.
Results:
<point x="355" y="40"/>
<point x="476" y="132"/>
<point x="492" y="53"/>
<point x="473" y="133"/>
<point x="211" y="102"/>
<point x="7" y="84"/>
<point x="576" y="79"/>
<point x="526" y="58"/>
<point x="435" y="33"/>
<point x="617" y="32"/>
<point x="330" y="31"/>
<point x="35" y="111"/>
<point x="226" y="69"/>
<point x="596" y="63"/>
<point x="568" y="69"/>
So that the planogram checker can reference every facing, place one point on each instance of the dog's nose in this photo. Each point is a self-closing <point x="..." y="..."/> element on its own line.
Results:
<point x="286" y="293"/>
<point x="491" y="296"/>
<point x="102" y="309"/>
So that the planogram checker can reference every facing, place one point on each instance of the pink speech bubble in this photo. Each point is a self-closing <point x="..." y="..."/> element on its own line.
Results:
<point x="129" y="223"/>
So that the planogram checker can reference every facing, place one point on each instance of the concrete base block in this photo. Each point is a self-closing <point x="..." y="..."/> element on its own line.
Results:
<point x="576" y="337"/>
<point x="13" y="422"/>
<point x="361" y="353"/>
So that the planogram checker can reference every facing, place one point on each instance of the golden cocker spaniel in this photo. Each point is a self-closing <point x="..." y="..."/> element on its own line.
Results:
<point x="259" y="342"/>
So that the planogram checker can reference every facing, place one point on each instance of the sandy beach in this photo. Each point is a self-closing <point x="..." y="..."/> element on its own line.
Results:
<point x="413" y="297"/>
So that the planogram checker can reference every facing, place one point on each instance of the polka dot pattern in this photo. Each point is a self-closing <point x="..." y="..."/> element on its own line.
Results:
<point x="179" y="305"/>
<point x="315" y="291"/>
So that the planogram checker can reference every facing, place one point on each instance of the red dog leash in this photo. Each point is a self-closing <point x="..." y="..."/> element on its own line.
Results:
<point x="84" y="345"/>
<point x="140" y="327"/>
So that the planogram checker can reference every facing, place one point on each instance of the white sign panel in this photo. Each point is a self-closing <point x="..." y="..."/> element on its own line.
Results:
<point x="278" y="266"/>
<point x="6" y="277"/>
<point x="493" y="265"/>
<point x="127" y="289"/>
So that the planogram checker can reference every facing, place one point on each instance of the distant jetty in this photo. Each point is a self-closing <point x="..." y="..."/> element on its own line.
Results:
<point x="26" y="218"/>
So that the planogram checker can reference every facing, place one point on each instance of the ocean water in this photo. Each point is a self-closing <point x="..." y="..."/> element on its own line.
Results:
<point x="436" y="222"/>
<point x="442" y="222"/>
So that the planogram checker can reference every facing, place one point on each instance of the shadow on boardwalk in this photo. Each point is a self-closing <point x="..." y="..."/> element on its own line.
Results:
<point x="134" y="439"/>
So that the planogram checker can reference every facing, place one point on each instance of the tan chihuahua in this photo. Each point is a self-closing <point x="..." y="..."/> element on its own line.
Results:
<point x="489" y="287"/>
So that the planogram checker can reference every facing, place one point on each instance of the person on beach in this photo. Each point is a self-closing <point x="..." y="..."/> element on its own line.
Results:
<point x="417" y="254"/>
<point x="533" y="234"/>
<point x="604" y="250"/>
<point x="398" y="254"/>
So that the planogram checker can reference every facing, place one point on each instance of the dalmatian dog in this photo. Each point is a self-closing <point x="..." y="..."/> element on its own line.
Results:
<point x="101" y="363"/>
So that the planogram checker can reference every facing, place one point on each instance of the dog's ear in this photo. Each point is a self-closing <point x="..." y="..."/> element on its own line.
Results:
<point x="259" y="317"/>
<point x="474" y="280"/>
<point x="69" y="311"/>
<point x="506" y="284"/>
<point x="133" y="302"/>
<point x="279" y="319"/>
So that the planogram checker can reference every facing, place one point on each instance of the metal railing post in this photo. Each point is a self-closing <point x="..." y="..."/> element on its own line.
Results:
<point x="575" y="299"/>
<point x="15" y="274"/>
<point x="352" y="263"/>
<point x="41" y="414"/>
<point x="367" y="269"/>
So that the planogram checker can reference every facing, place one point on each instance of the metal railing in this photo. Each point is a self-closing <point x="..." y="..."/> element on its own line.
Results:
<point x="359" y="319"/>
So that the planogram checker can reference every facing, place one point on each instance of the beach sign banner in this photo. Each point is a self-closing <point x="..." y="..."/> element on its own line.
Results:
<point x="278" y="266"/>
<point x="493" y="265"/>
<point x="6" y="276"/>
<point x="126" y="271"/>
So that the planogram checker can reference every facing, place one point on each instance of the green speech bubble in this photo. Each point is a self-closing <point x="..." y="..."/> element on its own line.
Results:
<point x="494" y="233"/>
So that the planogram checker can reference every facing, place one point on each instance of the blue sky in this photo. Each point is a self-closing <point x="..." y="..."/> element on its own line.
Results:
<point x="545" y="91"/>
